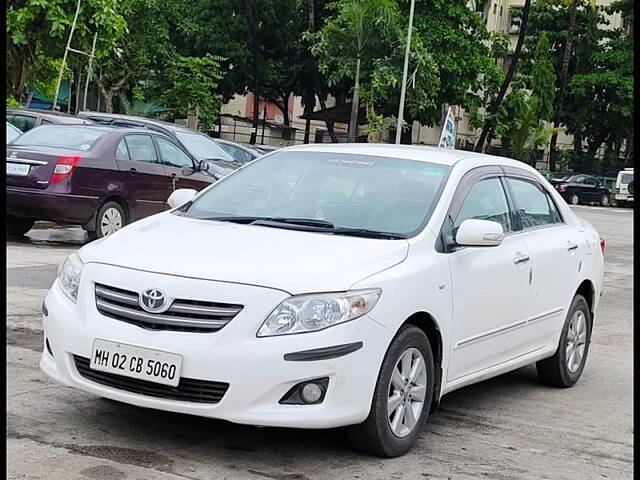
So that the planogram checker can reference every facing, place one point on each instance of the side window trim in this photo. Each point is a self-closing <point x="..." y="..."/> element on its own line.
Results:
<point x="155" y="149"/>
<point x="532" y="180"/>
<point x="466" y="183"/>
<point x="156" y="138"/>
<point x="126" y="147"/>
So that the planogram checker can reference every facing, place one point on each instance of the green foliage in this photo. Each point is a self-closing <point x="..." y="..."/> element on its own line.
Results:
<point x="521" y="119"/>
<point x="12" y="102"/>
<point x="193" y="82"/>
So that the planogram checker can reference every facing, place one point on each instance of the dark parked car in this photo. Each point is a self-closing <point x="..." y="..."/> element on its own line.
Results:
<point x="26" y="119"/>
<point x="199" y="145"/>
<point x="240" y="153"/>
<point x="99" y="177"/>
<point x="580" y="188"/>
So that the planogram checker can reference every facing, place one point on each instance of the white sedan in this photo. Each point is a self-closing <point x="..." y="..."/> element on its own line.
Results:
<point x="332" y="285"/>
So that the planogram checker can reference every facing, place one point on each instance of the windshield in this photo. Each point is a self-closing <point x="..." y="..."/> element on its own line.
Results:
<point x="77" y="138"/>
<point x="12" y="132"/>
<point x="328" y="190"/>
<point x="201" y="146"/>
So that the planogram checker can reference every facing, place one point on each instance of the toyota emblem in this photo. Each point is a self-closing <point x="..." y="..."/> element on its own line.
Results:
<point x="153" y="300"/>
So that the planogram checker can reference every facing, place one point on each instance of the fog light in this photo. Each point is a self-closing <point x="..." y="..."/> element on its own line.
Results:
<point x="311" y="392"/>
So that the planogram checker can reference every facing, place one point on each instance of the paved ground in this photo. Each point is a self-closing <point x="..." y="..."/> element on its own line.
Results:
<point x="506" y="428"/>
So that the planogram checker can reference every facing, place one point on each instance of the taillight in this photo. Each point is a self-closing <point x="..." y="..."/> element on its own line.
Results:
<point x="64" y="167"/>
<point x="603" y="245"/>
<point x="562" y="188"/>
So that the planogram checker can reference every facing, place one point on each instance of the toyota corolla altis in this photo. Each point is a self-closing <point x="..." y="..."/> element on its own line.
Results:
<point x="336" y="285"/>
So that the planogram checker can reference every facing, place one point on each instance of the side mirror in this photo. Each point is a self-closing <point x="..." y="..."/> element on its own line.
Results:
<point x="203" y="166"/>
<point x="479" y="233"/>
<point x="181" y="196"/>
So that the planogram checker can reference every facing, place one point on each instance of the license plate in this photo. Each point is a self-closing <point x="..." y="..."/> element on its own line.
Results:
<point x="136" y="362"/>
<point x="17" y="169"/>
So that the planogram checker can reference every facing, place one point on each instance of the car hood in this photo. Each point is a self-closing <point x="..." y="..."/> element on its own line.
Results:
<point x="293" y="261"/>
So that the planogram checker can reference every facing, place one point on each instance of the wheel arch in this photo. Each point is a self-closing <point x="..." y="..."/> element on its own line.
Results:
<point x="120" y="200"/>
<point x="428" y="324"/>
<point x="587" y="290"/>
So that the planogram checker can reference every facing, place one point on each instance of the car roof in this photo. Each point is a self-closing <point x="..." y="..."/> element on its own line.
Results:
<point x="448" y="157"/>
<point x="49" y="114"/>
<point x="134" y="118"/>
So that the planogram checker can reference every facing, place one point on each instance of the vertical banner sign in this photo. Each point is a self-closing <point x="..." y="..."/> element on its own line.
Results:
<point x="448" y="135"/>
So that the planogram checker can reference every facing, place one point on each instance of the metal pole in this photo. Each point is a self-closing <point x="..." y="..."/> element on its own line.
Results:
<point x="89" y="72"/>
<point x="264" y="121"/>
<point x="64" y="57"/>
<point x="404" y="74"/>
<point x="99" y="94"/>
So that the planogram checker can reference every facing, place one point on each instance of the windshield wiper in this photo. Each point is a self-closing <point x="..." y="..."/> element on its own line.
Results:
<point x="364" y="232"/>
<point x="311" y="222"/>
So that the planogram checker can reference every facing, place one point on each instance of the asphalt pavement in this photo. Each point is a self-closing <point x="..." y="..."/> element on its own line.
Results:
<point x="509" y="427"/>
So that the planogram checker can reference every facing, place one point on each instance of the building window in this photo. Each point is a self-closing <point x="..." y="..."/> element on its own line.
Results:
<point x="495" y="8"/>
<point x="500" y="11"/>
<point x="515" y="25"/>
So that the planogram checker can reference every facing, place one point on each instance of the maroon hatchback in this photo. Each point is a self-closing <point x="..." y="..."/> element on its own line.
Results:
<point x="99" y="177"/>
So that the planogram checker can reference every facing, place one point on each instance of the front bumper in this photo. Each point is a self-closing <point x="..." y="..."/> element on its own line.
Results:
<point x="255" y="368"/>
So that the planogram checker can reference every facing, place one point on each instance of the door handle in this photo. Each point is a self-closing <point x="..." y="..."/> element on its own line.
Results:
<point x="521" y="258"/>
<point x="572" y="246"/>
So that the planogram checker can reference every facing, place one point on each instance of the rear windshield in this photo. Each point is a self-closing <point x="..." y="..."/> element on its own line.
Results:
<point x="77" y="138"/>
<point x="626" y="178"/>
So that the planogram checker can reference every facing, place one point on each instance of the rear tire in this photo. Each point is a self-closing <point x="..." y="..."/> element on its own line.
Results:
<point x="19" y="226"/>
<point x="574" y="199"/>
<point x="110" y="219"/>
<point x="376" y="434"/>
<point x="565" y="367"/>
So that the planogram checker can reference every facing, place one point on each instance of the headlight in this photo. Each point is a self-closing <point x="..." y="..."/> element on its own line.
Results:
<point x="310" y="313"/>
<point x="69" y="274"/>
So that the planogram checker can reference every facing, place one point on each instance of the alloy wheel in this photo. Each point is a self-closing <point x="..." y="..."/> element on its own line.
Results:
<point x="407" y="389"/>
<point x="576" y="341"/>
<point x="575" y="199"/>
<point x="110" y="222"/>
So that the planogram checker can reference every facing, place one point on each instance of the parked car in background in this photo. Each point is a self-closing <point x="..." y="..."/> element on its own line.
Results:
<point x="12" y="132"/>
<point x="623" y="191"/>
<point x="199" y="145"/>
<point x="25" y="119"/>
<point x="266" y="148"/>
<point x="580" y="188"/>
<point x="240" y="153"/>
<point x="332" y="285"/>
<point x="99" y="177"/>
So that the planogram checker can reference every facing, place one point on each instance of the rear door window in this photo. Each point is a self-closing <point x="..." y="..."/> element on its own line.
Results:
<point x="141" y="148"/>
<point x="533" y="204"/>
<point x="24" y="122"/>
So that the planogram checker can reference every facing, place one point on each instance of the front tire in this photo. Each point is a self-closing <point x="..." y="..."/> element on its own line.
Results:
<point x="401" y="399"/>
<point x="565" y="367"/>
<point x="604" y="200"/>
<point x="110" y="219"/>
<point x="18" y="226"/>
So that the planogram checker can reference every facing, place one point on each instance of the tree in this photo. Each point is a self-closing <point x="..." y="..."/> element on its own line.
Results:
<point x="529" y="104"/>
<point x="357" y="34"/>
<point x="497" y="100"/>
<point x="37" y="28"/>
<point x="193" y="82"/>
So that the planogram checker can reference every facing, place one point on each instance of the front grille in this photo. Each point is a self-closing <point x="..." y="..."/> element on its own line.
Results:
<point x="188" y="390"/>
<point x="182" y="316"/>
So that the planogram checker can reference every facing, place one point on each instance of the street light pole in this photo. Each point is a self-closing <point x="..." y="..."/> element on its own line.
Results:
<point x="404" y="74"/>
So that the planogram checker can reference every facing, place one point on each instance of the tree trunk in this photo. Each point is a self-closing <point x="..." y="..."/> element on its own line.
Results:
<point x="493" y="107"/>
<point x="253" y="36"/>
<point x="573" y="9"/>
<point x="29" y="98"/>
<point x="329" y="124"/>
<point x="355" y="105"/>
